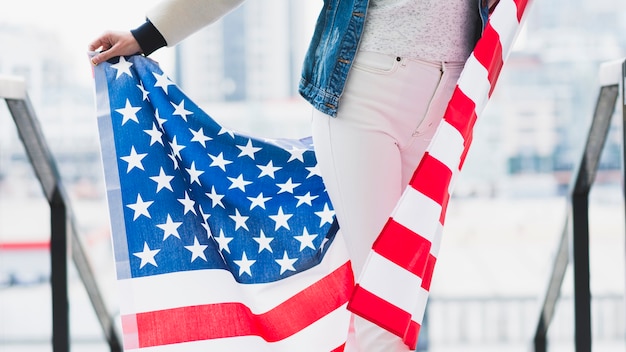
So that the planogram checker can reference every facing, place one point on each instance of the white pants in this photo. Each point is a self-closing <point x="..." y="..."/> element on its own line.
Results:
<point x="387" y="116"/>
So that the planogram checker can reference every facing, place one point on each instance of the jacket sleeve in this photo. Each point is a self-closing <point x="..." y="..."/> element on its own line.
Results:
<point x="175" y="20"/>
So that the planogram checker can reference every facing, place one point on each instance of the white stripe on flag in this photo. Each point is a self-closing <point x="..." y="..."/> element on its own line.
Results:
<point x="436" y="242"/>
<point x="474" y="82"/>
<point x="197" y="287"/>
<point x="382" y="277"/>
<point x="453" y="179"/>
<point x="447" y="146"/>
<point x="417" y="314"/>
<point x="418" y="213"/>
<point x="504" y="22"/>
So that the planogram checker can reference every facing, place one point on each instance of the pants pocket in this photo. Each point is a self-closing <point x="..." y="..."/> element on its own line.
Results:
<point x="376" y="63"/>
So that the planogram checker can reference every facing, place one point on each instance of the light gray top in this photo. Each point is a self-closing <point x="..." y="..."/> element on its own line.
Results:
<point x="433" y="30"/>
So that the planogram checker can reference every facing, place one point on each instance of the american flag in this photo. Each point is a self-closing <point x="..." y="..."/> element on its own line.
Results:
<point x="227" y="242"/>
<point x="393" y="288"/>
<point x="222" y="241"/>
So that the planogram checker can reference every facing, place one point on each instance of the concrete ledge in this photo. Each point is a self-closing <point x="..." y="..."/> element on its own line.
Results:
<point x="12" y="87"/>
<point x="611" y="72"/>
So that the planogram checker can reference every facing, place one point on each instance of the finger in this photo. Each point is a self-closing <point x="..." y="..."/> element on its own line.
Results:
<point x="96" y="60"/>
<point x="104" y="42"/>
<point x="103" y="56"/>
<point x="95" y="44"/>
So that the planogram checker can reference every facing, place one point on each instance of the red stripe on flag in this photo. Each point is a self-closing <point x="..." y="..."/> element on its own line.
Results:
<point x="129" y="327"/>
<point x="521" y="7"/>
<point x="431" y="178"/>
<point x="339" y="349"/>
<point x="403" y="247"/>
<point x="411" y="334"/>
<point x="380" y="312"/>
<point x="444" y="210"/>
<point x="211" y="321"/>
<point x="427" y="276"/>
<point x="488" y="52"/>
<point x="461" y="113"/>
<point x="468" y="143"/>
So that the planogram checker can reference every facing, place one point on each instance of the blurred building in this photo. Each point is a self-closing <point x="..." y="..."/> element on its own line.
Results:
<point x="63" y="103"/>
<point x="254" y="53"/>
<point x="537" y="120"/>
<point x="244" y="69"/>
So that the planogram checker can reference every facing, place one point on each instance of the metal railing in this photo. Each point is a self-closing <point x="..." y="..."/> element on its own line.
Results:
<point x="469" y="323"/>
<point x="574" y="242"/>
<point x="64" y="238"/>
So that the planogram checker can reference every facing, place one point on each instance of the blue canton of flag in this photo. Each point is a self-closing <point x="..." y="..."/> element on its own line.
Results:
<point x="200" y="196"/>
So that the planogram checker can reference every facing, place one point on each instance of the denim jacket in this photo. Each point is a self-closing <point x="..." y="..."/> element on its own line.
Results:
<point x="333" y="48"/>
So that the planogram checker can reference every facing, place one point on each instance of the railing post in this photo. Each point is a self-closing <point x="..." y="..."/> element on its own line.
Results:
<point x="582" y="291"/>
<point x="59" y="282"/>
<point x="64" y="237"/>
<point x="578" y="216"/>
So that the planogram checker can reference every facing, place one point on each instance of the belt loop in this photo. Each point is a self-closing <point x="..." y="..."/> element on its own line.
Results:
<point x="443" y="67"/>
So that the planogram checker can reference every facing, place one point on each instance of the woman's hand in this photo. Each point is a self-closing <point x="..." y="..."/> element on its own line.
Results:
<point x="112" y="44"/>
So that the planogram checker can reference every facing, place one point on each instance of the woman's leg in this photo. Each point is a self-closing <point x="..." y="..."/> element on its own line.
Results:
<point x="369" y="151"/>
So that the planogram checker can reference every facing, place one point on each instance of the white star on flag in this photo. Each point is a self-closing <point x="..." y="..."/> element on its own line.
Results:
<point x="197" y="250"/>
<point x="219" y="161"/>
<point x="155" y="135"/>
<point x="147" y="256"/>
<point x="240" y="220"/>
<point x="122" y="67"/>
<point x="238" y="183"/>
<point x="248" y="150"/>
<point x="287" y="186"/>
<point x="180" y="110"/>
<point x="223" y="241"/>
<point x="305" y="199"/>
<point x="134" y="160"/>
<point x="188" y="203"/>
<point x="163" y="181"/>
<point x="162" y="81"/>
<point x="170" y="228"/>
<point x="198" y="136"/>
<point x="264" y="242"/>
<point x="286" y="263"/>
<point x="281" y="219"/>
<point x="129" y="112"/>
<point x="245" y="264"/>
<point x="268" y="170"/>
<point x="306" y="240"/>
<point x="326" y="215"/>
<point x="140" y="207"/>
<point x="194" y="174"/>
<point x="258" y="201"/>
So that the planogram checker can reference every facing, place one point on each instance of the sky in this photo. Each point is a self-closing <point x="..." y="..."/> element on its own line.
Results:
<point x="78" y="22"/>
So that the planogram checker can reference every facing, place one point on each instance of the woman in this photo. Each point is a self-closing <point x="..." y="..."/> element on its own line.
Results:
<point x="379" y="75"/>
